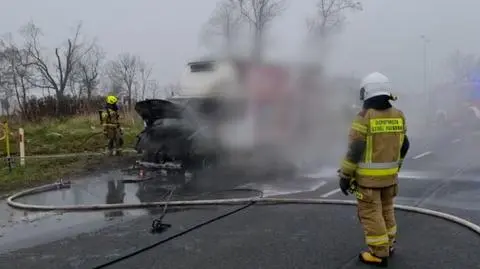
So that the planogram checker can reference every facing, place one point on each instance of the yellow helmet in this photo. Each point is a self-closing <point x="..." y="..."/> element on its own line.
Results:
<point x="111" y="100"/>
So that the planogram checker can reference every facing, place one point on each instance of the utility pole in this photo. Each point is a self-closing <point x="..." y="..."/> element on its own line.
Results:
<point x="425" y="71"/>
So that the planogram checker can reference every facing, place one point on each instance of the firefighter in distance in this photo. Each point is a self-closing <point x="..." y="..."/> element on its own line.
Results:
<point x="110" y="120"/>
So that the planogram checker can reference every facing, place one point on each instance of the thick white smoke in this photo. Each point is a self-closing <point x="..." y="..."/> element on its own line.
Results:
<point x="292" y="114"/>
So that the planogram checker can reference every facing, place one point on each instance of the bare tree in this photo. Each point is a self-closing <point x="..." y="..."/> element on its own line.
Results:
<point x="330" y="17"/>
<point x="6" y="78"/>
<point x="136" y="89"/>
<point x="153" y="87"/>
<point x="124" y="70"/>
<point x="15" y="75"/>
<point x="259" y="14"/>
<point x="225" y="24"/>
<point x="115" y="86"/>
<point x="89" y="70"/>
<point x="145" y="71"/>
<point x="55" y="75"/>
<point x="73" y="86"/>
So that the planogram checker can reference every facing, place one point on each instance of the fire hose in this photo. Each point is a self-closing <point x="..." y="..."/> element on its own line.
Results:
<point x="97" y="133"/>
<point x="209" y="202"/>
<point x="243" y="202"/>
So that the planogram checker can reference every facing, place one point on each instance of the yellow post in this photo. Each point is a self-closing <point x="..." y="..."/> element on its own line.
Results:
<point x="6" y="131"/>
<point x="7" y="138"/>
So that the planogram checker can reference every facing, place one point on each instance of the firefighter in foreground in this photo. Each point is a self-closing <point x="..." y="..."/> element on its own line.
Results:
<point x="377" y="146"/>
<point x="111" y="125"/>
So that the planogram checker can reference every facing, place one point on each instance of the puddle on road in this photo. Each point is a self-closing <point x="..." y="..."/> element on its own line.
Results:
<point x="104" y="188"/>
<point x="18" y="226"/>
<point x="19" y="229"/>
<point x="22" y="226"/>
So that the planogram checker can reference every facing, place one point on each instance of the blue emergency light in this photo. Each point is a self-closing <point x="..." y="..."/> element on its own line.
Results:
<point x="474" y="91"/>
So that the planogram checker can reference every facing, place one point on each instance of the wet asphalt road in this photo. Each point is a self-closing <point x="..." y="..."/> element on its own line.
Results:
<point x="439" y="174"/>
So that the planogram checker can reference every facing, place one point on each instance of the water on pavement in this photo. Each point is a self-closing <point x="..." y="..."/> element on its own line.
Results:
<point x="21" y="229"/>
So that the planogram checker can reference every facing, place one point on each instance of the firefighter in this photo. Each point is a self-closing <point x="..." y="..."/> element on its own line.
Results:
<point x="377" y="146"/>
<point x="109" y="117"/>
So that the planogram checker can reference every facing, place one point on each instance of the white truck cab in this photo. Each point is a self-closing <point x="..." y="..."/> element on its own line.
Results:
<point x="217" y="79"/>
<point x="208" y="78"/>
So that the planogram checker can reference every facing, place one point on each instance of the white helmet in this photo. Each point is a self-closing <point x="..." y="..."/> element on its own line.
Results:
<point x="375" y="84"/>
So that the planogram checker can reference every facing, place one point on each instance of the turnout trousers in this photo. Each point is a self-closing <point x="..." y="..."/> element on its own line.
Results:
<point x="114" y="138"/>
<point x="377" y="216"/>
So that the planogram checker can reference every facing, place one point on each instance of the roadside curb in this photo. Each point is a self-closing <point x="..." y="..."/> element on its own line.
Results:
<point x="5" y="196"/>
<point x="66" y="155"/>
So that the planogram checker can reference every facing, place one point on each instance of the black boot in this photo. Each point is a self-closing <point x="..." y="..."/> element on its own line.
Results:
<point x="368" y="258"/>
<point x="391" y="249"/>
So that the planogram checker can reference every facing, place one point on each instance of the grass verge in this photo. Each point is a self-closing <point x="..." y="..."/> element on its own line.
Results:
<point x="70" y="135"/>
<point x="59" y="136"/>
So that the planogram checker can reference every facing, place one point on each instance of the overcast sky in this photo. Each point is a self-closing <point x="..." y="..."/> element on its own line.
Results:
<point x="384" y="37"/>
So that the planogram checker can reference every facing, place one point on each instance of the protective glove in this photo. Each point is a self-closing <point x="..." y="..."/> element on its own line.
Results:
<point x="345" y="182"/>
<point x="400" y="163"/>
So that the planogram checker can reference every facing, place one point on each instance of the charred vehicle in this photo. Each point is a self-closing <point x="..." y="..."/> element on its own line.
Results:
<point x="239" y="112"/>
<point x="174" y="133"/>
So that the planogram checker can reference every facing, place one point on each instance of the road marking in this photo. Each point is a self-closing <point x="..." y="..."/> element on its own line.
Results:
<point x="412" y="174"/>
<point x="272" y="189"/>
<point x="422" y="155"/>
<point x="325" y="172"/>
<point x="456" y="140"/>
<point x="330" y="193"/>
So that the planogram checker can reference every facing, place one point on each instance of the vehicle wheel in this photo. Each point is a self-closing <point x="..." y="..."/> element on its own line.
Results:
<point x="137" y="144"/>
<point x="150" y="156"/>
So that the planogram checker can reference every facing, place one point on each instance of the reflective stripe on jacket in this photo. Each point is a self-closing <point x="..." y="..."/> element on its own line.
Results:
<point x="110" y="116"/>
<point x="383" y="133"/>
